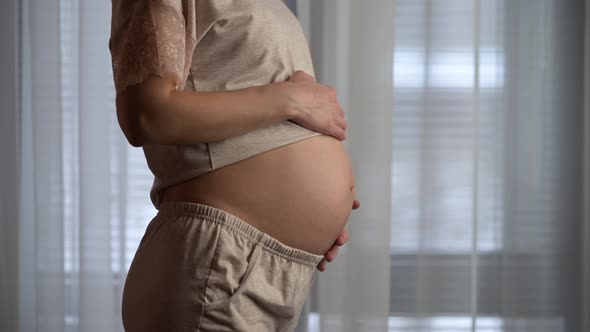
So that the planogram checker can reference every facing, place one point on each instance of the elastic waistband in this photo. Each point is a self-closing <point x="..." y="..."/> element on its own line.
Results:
<point x="232" y="222"/>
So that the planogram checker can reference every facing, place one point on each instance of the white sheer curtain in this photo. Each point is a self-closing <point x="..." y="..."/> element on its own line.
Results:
<point x="467" y="135"/>
<point x="471" y="180"/>
<point x="357" y="60"/>
<point x="84" y="203"/>
<point x="9" y="166"/>
<point x="585" y="289"/>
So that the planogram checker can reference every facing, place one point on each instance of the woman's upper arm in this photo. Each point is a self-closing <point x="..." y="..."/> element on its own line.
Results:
<point x="135" y="104"/>
<point x="151" y="45"/>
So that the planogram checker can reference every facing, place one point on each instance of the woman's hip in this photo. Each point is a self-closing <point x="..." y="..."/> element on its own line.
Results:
<point x="199" y="268"/>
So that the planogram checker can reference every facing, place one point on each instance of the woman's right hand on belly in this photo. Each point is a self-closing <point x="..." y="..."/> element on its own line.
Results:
<point x="313" y="105"/>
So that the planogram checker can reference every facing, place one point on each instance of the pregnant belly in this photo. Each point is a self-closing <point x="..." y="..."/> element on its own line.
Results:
<point x="300" y="193"/>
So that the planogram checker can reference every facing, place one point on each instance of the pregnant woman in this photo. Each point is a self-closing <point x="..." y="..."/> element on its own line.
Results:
<point x="253" y="185"/>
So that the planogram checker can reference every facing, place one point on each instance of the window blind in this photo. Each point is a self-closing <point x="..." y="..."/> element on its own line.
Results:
<point x="480" y="231"/>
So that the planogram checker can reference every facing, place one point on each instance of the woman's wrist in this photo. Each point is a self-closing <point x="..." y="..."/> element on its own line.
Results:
<point x="274" y="96"/>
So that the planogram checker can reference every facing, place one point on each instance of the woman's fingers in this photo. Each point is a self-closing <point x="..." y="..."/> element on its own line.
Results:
<point x="342" y="238"/>
<point x="342" y="134"/>
<point x="328" y="257"/>
<point x="331" y="254"/>
<point x="302" y="76"/>
<point x="322" y="265"/>
<point x="341" y="123"/>
<point x="340" y="241"/>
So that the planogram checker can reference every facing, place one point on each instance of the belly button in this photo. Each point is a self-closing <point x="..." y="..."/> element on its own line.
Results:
<point x="351" y="186"/>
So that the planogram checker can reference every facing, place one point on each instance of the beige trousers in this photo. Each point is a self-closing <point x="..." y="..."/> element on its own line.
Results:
<point x="199" y="268"/>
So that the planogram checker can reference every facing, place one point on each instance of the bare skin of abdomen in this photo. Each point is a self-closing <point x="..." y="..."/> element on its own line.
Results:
<point x="300" y="193"/>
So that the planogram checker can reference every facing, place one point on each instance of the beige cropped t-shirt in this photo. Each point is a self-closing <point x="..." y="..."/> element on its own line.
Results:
<point x="210" y="45"/>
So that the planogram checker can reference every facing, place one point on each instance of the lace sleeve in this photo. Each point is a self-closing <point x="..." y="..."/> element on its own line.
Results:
<point x="151" y="37"/>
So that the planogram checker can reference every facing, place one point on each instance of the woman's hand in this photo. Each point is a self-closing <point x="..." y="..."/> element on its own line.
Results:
<point x="314" y="106"/>
<point x="340" y="241"/>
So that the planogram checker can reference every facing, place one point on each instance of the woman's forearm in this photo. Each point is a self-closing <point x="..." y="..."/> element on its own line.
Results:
<point x="154" y="116"/>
